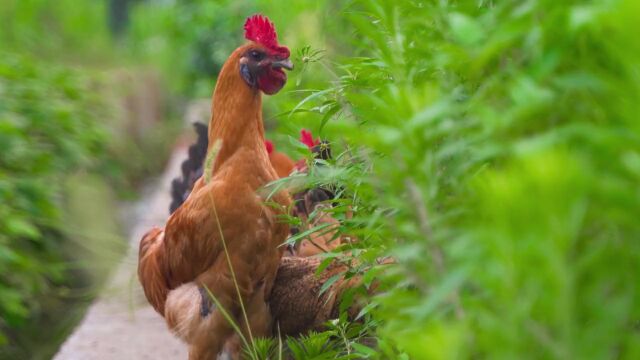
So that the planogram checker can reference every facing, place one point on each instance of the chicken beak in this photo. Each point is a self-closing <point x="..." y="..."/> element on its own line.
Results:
<point x="285" y="63"/>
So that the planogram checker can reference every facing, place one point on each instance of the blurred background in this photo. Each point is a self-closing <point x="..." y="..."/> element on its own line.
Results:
<point x="492" y="148"/>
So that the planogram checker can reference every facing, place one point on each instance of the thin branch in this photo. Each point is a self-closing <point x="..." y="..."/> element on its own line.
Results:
<point x="437" y="256"/>
<point x="425" y="227"/>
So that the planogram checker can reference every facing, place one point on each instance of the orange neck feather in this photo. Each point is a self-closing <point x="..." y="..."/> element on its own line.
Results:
<point x="237" y="112"/>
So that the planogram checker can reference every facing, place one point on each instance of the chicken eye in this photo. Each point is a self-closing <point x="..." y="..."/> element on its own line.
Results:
<point x="256" y="55"/>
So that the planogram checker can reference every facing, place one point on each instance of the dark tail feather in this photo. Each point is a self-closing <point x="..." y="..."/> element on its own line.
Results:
<point x="191" y="168"/>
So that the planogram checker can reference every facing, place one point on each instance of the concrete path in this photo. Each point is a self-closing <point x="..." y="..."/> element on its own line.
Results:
<point x="120" y="325"/>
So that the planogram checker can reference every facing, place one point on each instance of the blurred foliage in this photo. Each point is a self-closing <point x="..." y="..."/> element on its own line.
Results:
<point x="47" y="130"/>
<point x="67" y="151"/>
<point x="188" y="40"/>
<point x="66" y="30"/>
<point x="496" y="148"/>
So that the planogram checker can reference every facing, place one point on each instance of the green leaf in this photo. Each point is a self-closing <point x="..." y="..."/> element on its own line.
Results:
<point x="465" y="29"/>
<point x="330" y="281"/>
<point x="20" y="227"/>
<point x="364" y="351"/>
<point x="300" y="236"/>
<point x="328" y="115"/>
<point x="313" y="96"/>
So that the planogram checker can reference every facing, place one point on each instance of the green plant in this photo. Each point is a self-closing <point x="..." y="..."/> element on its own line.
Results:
<point x="262" y="349"/>
<point x="317" y="346"/>
<point x="47" y="131"/>
<point x="502" y="141"/>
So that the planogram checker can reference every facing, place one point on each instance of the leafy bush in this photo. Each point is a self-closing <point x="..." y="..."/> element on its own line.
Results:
<point x="47" y="130"/>
<point x="63" y="29"/>
<point x="70" y="130"/>
<point x="504" y="150"/>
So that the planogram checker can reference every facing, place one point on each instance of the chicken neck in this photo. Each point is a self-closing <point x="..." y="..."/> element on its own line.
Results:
<point x="237" y="114"/>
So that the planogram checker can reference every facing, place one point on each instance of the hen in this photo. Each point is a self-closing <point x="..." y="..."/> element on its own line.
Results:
<point x="224" y="239"/>
<point x="280" y="161"/>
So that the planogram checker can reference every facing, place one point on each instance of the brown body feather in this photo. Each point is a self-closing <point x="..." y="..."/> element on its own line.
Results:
<point x="281" y="163"/>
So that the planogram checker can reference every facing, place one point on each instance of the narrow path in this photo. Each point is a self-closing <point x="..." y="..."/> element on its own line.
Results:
<point x="120" y="325"/>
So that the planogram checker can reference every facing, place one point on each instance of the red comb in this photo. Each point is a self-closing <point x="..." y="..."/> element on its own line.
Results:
<point x="307" y="139"/>
<point x="269" y="145"/>
<point x="259" y="29"/>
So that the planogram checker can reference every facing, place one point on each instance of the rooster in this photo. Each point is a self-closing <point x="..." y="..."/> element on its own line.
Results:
<point x="224" y="240"/>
